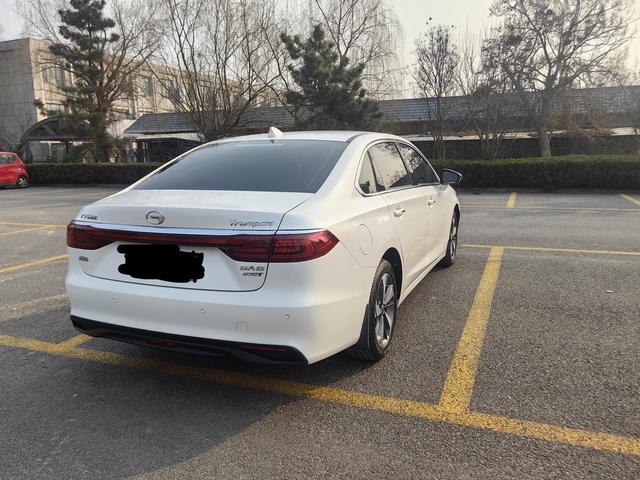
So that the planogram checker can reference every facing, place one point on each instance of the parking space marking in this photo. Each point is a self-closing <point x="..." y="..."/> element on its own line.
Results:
<point x="22" y="266"/>
<point x="16" y="224"/>
<point x="631" y="199"/>
<point x="504" y="425"/>
<point x="75" y="341"/>
<point x="554" y="250"/>
<point x="550" y="208"/>
<point x="511" y="203"/>
<point x="24" y="230"/>
<point x="458" y="388"/>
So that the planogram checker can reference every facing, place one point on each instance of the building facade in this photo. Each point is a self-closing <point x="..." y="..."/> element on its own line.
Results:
<point x="28" y="73"/>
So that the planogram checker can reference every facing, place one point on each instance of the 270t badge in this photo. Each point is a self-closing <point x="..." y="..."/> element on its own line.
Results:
<point x="252" y="271"/>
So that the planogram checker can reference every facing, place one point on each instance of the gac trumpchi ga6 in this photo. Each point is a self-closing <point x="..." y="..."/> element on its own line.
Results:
<point x="282" y="247"/>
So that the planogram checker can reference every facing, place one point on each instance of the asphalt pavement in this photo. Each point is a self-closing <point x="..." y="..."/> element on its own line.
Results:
<point x="521" y="361"/>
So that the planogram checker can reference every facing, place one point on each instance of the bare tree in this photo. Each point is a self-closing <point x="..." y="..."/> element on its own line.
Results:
<point x="95" y="77"/>
<point x="545" y="47"/>
<point x="216" y="60"/>
<point x="632" y="80"/>
<point x="435" y="77"/>
<point x="364" y="31"/>
<point x="488" y="98"/>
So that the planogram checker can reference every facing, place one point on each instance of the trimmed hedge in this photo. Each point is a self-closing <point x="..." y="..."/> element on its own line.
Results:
<point x="620" y="172"/>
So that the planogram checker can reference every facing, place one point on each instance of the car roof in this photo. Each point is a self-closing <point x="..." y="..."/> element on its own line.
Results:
<point x="329" y="135"/>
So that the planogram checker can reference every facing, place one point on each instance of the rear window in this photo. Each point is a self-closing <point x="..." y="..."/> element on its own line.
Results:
<point x="260" y="165"/>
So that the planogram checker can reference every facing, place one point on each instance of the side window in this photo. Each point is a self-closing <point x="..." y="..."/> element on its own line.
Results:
<point x="7" y="159"/>
<point x="367" y="181"/>
<point x="389" y="166"/>
<point x="421" y="172"/>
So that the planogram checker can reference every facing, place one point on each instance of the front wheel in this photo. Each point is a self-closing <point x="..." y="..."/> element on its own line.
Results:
<point x="452" y="245"/>
<point x="380" y="316"/>
<point x="22" y="182"/>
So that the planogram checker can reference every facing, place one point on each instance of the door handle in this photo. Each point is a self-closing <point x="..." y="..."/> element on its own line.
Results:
<point x="431" y="202"/>
<point x="399" y="211"/>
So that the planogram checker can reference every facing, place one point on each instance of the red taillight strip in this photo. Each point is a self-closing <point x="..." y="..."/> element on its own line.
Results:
<point x="241" y="247"/>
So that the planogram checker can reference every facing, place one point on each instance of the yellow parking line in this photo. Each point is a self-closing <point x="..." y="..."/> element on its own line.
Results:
<point x="458" y="388"/>
<point x="31" y="224"/>
<point x="426" y="411"/>
<point x="75" y="341"/>
<point x="631" y="199"/>
<point x="554" y="250"/>
<point x="512" y="200"/>
<point x="570" y="209"/>
<point x="22" y="266"/>
<point x="24" y="230"/>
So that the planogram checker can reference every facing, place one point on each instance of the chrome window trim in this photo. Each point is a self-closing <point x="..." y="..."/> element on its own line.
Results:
<point x="397" y="189"/>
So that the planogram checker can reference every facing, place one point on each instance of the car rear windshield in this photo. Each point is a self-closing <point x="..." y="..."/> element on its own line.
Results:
<point x="260" y="165"/>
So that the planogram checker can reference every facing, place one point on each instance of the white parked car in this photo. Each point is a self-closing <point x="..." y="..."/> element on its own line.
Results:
<point x="282" y="247"/>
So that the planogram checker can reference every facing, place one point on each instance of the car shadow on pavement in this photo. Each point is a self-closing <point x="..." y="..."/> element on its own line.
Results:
<point x="65" y="417"/>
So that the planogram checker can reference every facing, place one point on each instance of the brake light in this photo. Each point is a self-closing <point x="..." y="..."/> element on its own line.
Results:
<point x="280" y="248"/>
<point x="303" y="247"/>
<point x="86" y="238"/>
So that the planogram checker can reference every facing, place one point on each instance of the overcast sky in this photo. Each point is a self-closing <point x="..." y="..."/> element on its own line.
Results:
<point x="411" y="13"/>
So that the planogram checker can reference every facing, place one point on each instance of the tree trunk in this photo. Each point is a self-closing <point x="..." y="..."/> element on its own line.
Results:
<point x="544" y="142"/>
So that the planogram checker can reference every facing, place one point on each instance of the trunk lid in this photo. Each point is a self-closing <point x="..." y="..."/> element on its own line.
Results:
<point x="221" y="214"/>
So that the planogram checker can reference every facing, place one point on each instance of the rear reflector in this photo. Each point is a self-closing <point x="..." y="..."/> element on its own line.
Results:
<point x="279" y="248"/>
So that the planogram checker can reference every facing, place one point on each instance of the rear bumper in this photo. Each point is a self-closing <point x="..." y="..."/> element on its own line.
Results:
<point x="306" y="308"/>
<point x="179" y="343"/>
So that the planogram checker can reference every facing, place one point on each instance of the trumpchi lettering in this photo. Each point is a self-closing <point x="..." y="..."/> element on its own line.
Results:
<point x="280" y="247"/>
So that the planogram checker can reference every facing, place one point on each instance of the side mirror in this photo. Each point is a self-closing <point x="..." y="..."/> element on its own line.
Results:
<point x="450" y="177"/>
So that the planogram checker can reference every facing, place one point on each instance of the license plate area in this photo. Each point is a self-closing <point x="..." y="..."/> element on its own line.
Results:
<point x="161" y="262"/>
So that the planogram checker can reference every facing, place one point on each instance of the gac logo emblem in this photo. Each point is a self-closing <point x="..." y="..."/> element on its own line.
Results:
<point x="155" y="218"/>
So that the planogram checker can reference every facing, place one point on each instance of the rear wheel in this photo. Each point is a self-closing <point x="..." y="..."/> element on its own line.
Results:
<point x="22" y="182"/>
<point x="380" y="316"/>
<point x="452" y="245"/>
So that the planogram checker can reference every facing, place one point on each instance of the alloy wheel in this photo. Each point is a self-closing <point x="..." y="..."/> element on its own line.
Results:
<point x="385" y="309"/>
<point x="453" y="237"/>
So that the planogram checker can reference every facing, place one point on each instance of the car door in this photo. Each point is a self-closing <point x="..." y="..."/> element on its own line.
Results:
<point x="6" y="162"/>
<point x="439" y="215"/>
<point x="406" y="205"/>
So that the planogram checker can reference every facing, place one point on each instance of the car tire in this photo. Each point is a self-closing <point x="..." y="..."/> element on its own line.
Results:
<point x="380" y="316"/>
<point x="22" y="182"/>
<point x="452" y="245"/>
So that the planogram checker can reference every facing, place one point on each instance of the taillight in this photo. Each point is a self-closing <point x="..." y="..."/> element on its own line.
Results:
<point x="87" y="238"/>
<point x="283" y="248"/>
<point x="302" y="247"/>
<point x="242" y="248"/>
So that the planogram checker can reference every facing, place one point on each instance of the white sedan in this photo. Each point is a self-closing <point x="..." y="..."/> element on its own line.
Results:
<point x="282" y="247"/>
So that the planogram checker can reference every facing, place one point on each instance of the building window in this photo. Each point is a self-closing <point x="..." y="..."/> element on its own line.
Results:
<point x="147" y="87"/>
<point x="54" y="75"/>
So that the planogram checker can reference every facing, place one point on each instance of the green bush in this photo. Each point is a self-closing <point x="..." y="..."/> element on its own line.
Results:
<point x="619" y="172"/>
<point x="88" y="173"/>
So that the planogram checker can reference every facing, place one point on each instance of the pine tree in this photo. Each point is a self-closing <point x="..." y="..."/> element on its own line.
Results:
<point x="89" y="99"/>
<point x="330" y="93"/>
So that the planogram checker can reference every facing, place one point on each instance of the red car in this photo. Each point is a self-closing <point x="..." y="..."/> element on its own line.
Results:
<point x="12" y="170"/>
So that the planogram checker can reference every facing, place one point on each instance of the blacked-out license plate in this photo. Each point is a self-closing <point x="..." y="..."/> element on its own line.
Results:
<point x="161" y="262"/>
